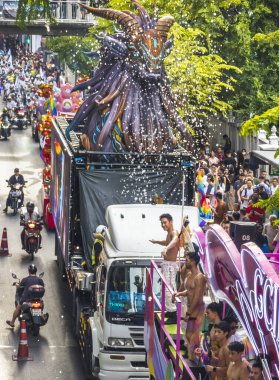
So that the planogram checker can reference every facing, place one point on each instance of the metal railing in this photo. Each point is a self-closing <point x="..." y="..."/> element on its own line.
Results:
<point x="180" y="365"/>
<point x="63" y="11"/>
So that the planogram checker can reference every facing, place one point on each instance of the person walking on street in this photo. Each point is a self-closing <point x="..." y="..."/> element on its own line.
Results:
<point x="228" y="145"/>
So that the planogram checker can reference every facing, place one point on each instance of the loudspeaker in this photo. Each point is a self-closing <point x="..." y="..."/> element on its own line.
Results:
<point x="242" y="232"/>
<point x="198" y="371"/>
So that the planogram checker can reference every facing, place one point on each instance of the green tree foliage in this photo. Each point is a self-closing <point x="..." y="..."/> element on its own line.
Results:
<point x="198" y="77"/>
<point x="271" y="204"/>
<point x="70" y="49"/>
<point x="232" y="25"/>
<point x="263" y="121"/>
<point x="266" y="42"/>
<point x="29" y="10"/>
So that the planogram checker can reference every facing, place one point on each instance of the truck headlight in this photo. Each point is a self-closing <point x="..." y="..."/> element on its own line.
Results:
<point x="120" y="342"/>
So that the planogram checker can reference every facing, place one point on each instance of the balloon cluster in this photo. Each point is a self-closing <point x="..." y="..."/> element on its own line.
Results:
<point x="66" y="101"/>
<point x="46" y="101"/>
<point x="45" y="130"/>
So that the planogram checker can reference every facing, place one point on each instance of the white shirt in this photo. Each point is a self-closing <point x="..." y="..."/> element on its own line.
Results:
<point x="273" y="189"/>
<point x="247" y="194"/>
<point x="34" y="216"/>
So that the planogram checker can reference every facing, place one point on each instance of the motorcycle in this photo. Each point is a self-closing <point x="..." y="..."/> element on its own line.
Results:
<point x="5" y="128"/>
<point x="32" y="235"/>
<point x="32" y="310"/>
<point x="15" y="196"/>
<point x="20" y="119"/>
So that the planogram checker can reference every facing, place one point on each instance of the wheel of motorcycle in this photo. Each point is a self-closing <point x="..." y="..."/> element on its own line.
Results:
<point x="15" y="211"/>
<point x="32" y="256"/>
<point x="36" y="330"/>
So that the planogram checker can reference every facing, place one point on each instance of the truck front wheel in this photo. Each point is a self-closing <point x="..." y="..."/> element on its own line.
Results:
<point x="91" y="362"/>
<point x="77" y="317"/>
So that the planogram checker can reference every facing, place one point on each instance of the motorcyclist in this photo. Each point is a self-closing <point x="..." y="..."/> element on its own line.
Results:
<point x="30" y="214"/>
<point x="11" y="103"/>
<point x="31" y="279"/>
<point x="5" y="113"/>
<point x="14" y="179"/>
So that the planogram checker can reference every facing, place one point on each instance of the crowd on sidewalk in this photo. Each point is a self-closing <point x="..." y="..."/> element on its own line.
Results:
<point x="229" y="186"/>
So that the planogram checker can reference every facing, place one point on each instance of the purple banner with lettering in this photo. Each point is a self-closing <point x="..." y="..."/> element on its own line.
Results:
<point x="248" y="282"/>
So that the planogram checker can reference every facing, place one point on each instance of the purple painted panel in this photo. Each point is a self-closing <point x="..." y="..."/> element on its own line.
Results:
<point x="250" y="284"/>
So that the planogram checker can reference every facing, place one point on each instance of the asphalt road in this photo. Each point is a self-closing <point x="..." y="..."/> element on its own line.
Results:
<point x="56" y="353"/>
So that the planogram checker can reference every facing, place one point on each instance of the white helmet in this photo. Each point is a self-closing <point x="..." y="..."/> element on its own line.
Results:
<point x="101" y="229"/>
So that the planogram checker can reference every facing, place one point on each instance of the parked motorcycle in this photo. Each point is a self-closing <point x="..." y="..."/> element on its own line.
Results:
<point x="15" y="196"/>
<point x="32" y="235"/>
<point x="32" y="310"/>
<point x="20" y="119"/>
<point x="5" y="128"/>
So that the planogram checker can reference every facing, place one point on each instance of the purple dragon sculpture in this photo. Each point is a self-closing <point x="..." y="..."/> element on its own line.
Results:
<point x="130" y="106"/>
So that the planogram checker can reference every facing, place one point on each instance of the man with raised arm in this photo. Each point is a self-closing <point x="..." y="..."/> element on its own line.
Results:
<point x="169" y="266"/>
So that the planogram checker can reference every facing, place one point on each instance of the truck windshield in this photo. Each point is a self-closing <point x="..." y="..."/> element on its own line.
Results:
<point x="126" y="292"/>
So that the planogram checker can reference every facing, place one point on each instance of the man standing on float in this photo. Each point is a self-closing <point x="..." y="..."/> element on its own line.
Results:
<point x="169" y="266"/>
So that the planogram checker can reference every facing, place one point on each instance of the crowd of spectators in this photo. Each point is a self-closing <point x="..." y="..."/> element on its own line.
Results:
<point x="233" y="187"/>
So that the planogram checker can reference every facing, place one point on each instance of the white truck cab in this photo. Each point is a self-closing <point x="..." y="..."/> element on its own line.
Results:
<point x="117" y="325"/>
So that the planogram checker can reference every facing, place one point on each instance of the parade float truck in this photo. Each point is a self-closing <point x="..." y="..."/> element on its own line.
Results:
<point x="123" y="192"/>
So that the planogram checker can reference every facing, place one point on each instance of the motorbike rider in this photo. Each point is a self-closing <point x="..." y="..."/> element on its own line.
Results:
<point x="5" y="113"/>
<point x="14" y="179"/>
<point x="10" y="104"/>
<point x="30" y="214"/>
<point x="26" y="282"/>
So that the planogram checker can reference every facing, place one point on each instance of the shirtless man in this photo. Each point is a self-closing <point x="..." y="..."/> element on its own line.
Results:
<point x="257" y="371"/>
<point x="237" y="369"/>
<point x="169" y="266"/>
<point x="219" y="372"/>
<point x="194" y="288"/>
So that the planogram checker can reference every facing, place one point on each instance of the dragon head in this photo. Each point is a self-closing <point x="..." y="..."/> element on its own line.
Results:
<point x="147" y="43"/>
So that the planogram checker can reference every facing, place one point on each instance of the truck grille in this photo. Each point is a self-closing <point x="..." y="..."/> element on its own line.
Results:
<point x="137" y="334"/>
<point x="139" y="364"/>
<point x="138" y="339"/>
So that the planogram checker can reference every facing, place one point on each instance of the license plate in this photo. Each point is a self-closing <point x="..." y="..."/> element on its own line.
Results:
<point x="36" y="312"/>
<point x="16" y="193"/>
